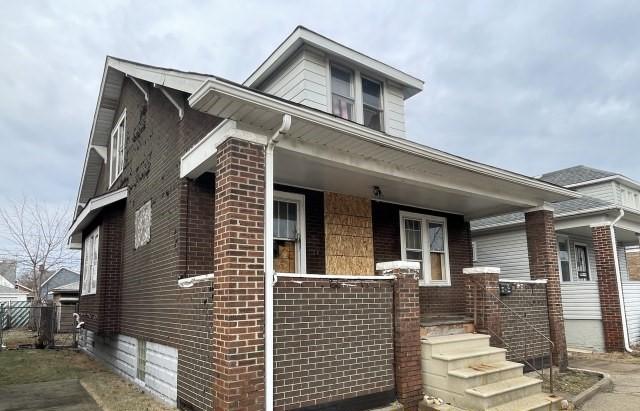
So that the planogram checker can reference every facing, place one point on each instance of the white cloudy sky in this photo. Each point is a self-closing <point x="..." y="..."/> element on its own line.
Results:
<point x="530" y="86"/>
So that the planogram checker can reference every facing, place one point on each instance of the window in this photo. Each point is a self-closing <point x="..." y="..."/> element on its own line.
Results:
<point x="474" y="251"/>
<point x="143" y="225"/>
<point x="90" y="262"/>
<point x="288" y="233"/>
<point x="582" y="262"/>
<point x="118" y="136"/>
<point x="342" y="93"/>
<point x="372" y="104"/>
<point x="141" y="369"/>
<point x="424" y="240"/>
<point x="564" y="258"/>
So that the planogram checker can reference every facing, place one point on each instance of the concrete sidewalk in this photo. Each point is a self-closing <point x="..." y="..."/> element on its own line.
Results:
<point x="626" y="385"/>
<point x="62" y="395"/>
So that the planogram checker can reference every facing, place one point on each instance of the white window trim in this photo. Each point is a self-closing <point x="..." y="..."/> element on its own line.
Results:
<point x="358" y="110"/>
<point x="425" y="280"/>
<point x="301" y="244"/>
<point x="564" y="237"/>
<point x="474" y="251"/>
<point x="589" y="268"/>
<point x="89" y="274"/>
<point x="123" y="140"/>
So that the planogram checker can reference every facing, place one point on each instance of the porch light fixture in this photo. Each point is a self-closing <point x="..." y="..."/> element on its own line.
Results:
<point x="377" y="192"/>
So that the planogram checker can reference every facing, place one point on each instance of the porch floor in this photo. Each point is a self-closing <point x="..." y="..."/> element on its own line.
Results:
<point x="430" y="320"/>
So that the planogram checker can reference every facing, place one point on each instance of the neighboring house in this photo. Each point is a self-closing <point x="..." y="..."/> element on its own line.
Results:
<point x="65" y="299"/>
<point x="58" y="278"/>
<point x="596" y="263"/>
<point x="182" y="168"/>
<point x="8" y="289"/>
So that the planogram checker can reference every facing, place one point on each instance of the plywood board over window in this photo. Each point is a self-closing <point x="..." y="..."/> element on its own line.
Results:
<point x="348" y="235"/>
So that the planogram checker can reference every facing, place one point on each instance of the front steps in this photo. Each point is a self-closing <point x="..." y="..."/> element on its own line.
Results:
<point x="464" y="370"/>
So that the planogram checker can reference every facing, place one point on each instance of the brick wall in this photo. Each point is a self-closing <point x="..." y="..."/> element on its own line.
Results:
<point x="152" y="306"/>
<point x="238" y="345"/>
<point x="542" y="245"/>
<point x="332" y="341"/>
<point x="386" y="247"/>
<point x="529" y="302"/>
<point x="608" y="289"/>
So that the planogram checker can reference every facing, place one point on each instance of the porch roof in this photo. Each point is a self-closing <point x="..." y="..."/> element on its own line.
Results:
<point x="329" y="153"/>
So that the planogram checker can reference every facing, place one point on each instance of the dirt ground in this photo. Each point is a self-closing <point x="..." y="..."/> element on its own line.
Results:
<point x="21" y="336"/>
<point x="110" y="391"/>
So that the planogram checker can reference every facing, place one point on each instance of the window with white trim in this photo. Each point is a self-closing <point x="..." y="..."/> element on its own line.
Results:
<point x="564" y="258"/>
<point x="90" y="262"/>
<point x="289" y="248"/>
<point x="372" y="104"/>
<point x="342" y="95"/>
<point x="424" y="239"/>
<point x="582" y="262"/>
<point x="117" y="150"/>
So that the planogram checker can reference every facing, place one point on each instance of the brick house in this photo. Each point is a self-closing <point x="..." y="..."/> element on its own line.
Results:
<point x="597" y="246"/>
<point x="194" y="187"/>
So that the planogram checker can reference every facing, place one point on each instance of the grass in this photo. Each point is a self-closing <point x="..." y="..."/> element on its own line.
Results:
<point x="21" y="336"/>
<point x="570" y="382"/>
<point x="110" y="391"/>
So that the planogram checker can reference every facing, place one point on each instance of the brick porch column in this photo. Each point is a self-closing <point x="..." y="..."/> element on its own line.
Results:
<point x="406" y="323"/>
<point x="543" y="264"/>
<point x="238" y="303"/>
<point x="608" y="288"/>
<point x="481" y="282"/>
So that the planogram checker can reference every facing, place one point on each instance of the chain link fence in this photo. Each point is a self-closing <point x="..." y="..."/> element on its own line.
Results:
<point x="27" y="325"/>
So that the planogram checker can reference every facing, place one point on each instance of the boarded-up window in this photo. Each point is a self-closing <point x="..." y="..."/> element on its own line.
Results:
<point x="143" y="225"/>
<point x="633" y="264"/>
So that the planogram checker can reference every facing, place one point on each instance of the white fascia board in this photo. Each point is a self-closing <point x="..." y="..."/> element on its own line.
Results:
<point x="201" y="157"/>
<point x="369" y="135"/>
<point x="94" y="205"/>
<point x="618" y="177"/>
<point x="302" y="35"/>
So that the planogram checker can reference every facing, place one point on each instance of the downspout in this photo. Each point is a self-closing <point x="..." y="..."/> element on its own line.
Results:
<point x="623" y="310"/>
<point x="269" y="274"/>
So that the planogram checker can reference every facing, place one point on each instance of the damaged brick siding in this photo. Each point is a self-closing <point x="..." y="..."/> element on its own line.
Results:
<point x="152" y="307"/>
<point x="332" y="341"/>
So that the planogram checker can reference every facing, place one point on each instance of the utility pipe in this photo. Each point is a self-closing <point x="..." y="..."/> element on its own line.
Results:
<point x="269" y="273"/>
<point x="623" y="310"/>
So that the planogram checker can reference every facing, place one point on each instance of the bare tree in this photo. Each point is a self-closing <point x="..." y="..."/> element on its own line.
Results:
<point x="38" y="234"/>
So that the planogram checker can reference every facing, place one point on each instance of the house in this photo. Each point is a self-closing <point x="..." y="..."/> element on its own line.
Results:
<point x="59" y="278"/>
<point x="194" y="186"/>
<point x="8" y="289"/>
<point x="597" y="246"/>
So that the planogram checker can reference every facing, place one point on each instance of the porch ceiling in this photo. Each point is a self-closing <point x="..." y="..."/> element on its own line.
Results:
<point x="328" y="153"/>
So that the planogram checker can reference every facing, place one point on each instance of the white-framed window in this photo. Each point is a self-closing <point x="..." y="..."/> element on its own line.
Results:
<point x="342" y="92"/>
<point x="289" y="232"/>
<point x="474" y="251"/>
<point x="564" y="258"/>
<point x="424" y="239"/>
<point x="90" y="262"/>
<point x="117" y="150"/>
<point x="142" y="225"/>
<point x="583" y="271"/>
<point x="372" y="114"/>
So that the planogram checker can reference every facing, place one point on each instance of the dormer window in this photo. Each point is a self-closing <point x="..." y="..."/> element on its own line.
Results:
<point x="372" y="103"/>
<point x="342" y="95"/>
<point x="116" y="158"/>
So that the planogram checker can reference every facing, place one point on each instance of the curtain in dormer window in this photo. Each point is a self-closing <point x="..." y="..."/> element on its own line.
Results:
<point x="342" y="93"/>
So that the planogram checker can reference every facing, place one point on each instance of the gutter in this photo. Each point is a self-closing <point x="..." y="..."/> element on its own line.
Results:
<point x="269" y="273"/>
<point x="623" y="311"/>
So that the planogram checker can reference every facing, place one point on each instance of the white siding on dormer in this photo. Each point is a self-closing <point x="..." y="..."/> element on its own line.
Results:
<point x="394" y="110"/>
<point x="603" y="191"/>
<point x="302" y="79"/>
<point x="628" y="197"/>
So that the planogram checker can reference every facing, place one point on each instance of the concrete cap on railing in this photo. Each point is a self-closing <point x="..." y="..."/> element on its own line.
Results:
<point x="481" y="270"/>
<point x="397" y="265"/>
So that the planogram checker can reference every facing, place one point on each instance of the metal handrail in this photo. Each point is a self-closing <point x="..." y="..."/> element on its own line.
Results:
<point x="508" y="346"/>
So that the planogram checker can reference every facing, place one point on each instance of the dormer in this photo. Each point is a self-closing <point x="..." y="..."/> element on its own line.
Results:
<point x="310" y="69"/>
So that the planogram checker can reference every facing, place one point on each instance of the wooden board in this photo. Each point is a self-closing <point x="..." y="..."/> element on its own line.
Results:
<point x="348" y="235"/>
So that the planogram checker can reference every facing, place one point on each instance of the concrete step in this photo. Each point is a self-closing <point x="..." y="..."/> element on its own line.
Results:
<point x="453" y="343"/>
<point x="538" y="402"/>
<point x="441" y="364"/>
<point x="483" y="374"/>
<point x="491" y="395"/>
<point x="458" y="381"/>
